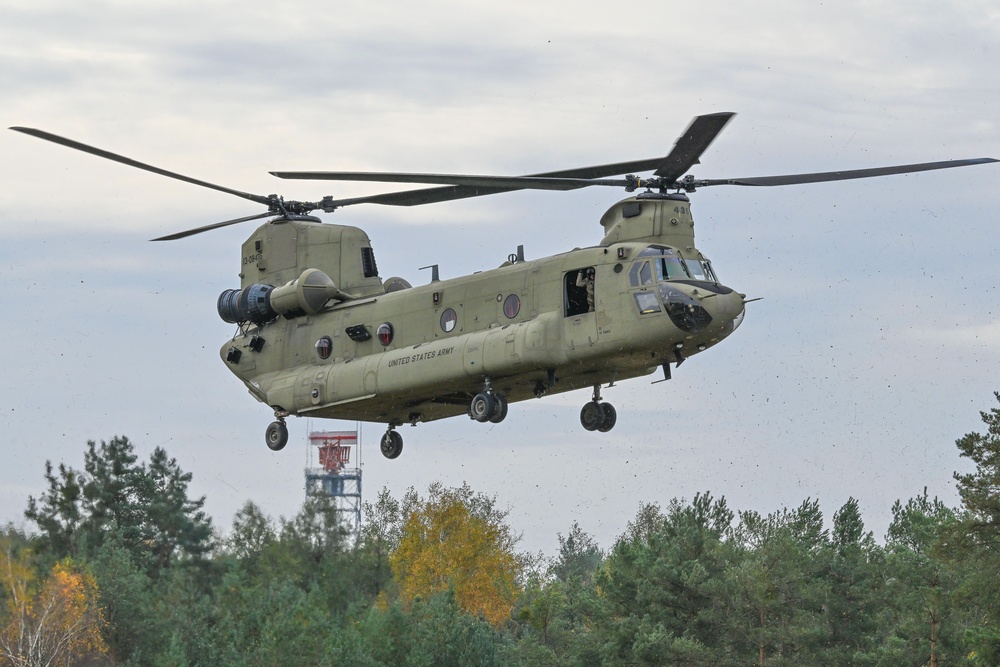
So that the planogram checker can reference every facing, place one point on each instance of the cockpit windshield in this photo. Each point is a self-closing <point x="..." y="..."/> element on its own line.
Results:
<point x="662" y="281"/>
<point x="669" y="264"/>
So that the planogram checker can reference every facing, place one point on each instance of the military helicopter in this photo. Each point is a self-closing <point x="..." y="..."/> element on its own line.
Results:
<point x="320" y="334"/>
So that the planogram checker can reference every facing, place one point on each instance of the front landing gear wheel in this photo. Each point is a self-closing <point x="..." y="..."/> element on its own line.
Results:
<point x="499" y="409"/>
<point x="610" y="418"/>
<point x="482" y="407"/>
<point x="592" y="416"/>
<point x="391" y="445"/>
<point x="276" y="436"/>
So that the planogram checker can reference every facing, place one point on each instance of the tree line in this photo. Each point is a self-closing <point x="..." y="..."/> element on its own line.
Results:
<point x="121" y="567"/>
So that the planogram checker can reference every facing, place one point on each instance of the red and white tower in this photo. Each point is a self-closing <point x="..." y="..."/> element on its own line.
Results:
<point x="333" y="477"/>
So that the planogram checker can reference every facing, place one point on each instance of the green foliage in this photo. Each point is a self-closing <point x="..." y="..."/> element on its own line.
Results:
<point x="975" y="536"/>
<point x="660" y="581"/>
<point x="145" y="508"/>
<point x="432" y="632"/>
<point x="775" y="572"/>
<point x="380" y="535"/>
<point x="926" y="624"/>
<point x="856" y="595"/>
<point x="177" y="527"/>
<point x="578" y="559"/>
<point x="128" y="598"/>
<point x="435" y="580"/>
<point x="58" y="514"/>
<point x="980" y="490"/>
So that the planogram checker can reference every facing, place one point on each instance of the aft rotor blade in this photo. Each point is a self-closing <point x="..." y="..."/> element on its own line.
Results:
<point x="215" y="225"/>
<point x="821" y="177"/>
<point x="69" y="143"/>
<point x="691" y="144"/>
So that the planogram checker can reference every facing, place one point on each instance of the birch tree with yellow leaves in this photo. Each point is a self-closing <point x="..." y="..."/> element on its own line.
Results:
<point x="53" y="622"/>
<point x="457" y="539"/>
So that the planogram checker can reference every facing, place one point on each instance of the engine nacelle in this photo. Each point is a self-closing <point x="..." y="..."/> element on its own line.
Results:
<point x="258" y="303"/>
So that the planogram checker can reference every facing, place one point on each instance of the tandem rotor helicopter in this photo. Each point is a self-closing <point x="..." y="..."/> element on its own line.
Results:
<point x="321" y="334"/>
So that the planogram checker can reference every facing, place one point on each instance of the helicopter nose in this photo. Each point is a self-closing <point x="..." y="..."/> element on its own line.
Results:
<point x="726" y="308"/>
<point x="731" y="309"/>
<point x="705" y="308"/>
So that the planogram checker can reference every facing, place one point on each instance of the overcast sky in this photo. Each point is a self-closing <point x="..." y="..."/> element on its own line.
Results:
<point x="875" y="346"/>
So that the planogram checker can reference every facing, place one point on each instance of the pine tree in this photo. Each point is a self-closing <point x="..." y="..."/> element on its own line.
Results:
<point x="146" y="509"/>
<point x="660" y="583"/>
<point x="59" y="513"/>
<point x="923" y="624"/>
<point x="976" y="536"/>
<point x="856" y="590"/>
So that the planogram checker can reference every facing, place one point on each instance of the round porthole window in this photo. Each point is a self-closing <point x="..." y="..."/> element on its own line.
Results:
<point x="384" y="333"/>
<point x="511" y="306"/>
<point x="324" y="346"/>
<point x="449" y="318"/>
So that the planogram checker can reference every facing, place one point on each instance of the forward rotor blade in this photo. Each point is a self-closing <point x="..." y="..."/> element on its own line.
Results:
<point x="453" y="192"/>
<point x="215" y="225"/>
<point x="821" y="177"/>
<point x="691" y="144"/>
<point x="69" y="143"/>
<point x="686" y="151"/>
<point x="514" y="182"/>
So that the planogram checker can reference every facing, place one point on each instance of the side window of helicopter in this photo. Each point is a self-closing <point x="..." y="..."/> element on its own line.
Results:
<point x="449" y="319"/>
<point x="579" y="291"/>
<point x="640" y="274"/>
<point x="324" y="346"/>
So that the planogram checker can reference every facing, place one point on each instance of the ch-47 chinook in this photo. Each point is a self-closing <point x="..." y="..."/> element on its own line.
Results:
<point x="320" y="334"/>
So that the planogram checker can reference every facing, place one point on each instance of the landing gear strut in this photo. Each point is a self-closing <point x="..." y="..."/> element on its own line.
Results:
<point x="598" y="416"/>
<point x="391" y="444"/>
<point x="488" y="405"/>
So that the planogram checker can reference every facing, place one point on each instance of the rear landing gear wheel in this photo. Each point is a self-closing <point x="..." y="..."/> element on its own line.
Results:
<point x="592" y="416"/>
<point x="499" y="412"/>
<point x="610" y="418"/>
<point x="276" y="436"/>
<point x="391" y="445"/>
<point x="482" y="407"/>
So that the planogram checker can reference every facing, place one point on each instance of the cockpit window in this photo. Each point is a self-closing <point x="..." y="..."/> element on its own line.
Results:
<point x="668" y="263"/>
<point x="670" y="268"/>
<point x="700" y="270"/>
<point x="640" y="274"/>
<point x="696" y="269"/>
<point x="647" y="303"/>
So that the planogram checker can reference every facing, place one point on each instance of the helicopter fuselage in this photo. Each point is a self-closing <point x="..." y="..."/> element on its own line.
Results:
<point x="580" y="319"/>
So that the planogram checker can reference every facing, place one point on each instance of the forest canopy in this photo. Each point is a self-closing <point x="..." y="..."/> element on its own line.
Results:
<point x="121" y="567"/>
